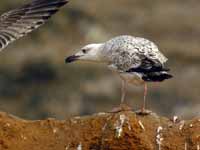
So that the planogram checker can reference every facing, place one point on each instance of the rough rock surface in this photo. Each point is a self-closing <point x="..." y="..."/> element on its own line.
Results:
<point x="102" y="131"/>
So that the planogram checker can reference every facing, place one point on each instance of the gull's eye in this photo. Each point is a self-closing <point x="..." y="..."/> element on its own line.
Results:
<point x="84" y="51"/>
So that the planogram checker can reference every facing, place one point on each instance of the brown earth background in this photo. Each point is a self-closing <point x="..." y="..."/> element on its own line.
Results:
<point x="35" y="83"/>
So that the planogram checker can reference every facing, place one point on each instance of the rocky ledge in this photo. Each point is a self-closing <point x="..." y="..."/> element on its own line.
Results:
<point x="103" y="131"/>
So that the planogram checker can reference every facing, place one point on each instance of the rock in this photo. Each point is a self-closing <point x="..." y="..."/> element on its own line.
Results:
<point x="102" y="131"/>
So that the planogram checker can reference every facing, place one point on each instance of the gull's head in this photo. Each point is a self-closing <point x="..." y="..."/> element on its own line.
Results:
<point x="91" y="52"/>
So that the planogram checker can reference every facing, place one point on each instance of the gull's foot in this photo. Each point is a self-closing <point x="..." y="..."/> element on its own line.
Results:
<point x="143" y="112"/>
<point x="120" y="108"/>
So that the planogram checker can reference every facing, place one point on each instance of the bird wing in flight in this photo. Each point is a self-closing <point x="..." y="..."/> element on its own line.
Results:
<point x="19" y="22"/>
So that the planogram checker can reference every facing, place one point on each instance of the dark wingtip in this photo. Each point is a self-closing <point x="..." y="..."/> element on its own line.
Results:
<point x="168" y="76"/>
<point x="155" y="77"/>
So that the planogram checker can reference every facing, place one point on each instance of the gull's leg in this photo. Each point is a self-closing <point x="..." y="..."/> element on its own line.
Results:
<point x="144" y="99"/>
<point x="143" y="110"/>
<point x="123" y="91"/>
<point x="122" y="106"/>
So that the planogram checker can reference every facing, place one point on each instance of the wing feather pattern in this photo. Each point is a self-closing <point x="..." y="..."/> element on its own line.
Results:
<point x="151" y="71"/>
<point x="19" y="22"/>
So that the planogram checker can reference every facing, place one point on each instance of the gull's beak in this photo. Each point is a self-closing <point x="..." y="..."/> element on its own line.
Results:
<point x="71" y="59"/>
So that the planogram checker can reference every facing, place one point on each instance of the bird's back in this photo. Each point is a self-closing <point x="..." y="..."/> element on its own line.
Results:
<point x="133" y="47"/>
<point x="135" y="55"/>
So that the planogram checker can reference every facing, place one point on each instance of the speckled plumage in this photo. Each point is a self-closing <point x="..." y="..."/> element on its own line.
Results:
<point x="125" y="52"/>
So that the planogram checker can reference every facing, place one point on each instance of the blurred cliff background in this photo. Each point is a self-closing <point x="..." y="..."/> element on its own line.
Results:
<point x="35" y="83"/>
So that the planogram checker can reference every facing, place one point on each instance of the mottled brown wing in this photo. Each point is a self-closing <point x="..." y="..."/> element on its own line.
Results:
<point x="19" y="22"/>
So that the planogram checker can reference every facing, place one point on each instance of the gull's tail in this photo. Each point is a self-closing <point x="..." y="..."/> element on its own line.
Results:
<point x="156" y="76"/>
<point x="152" y="71"/>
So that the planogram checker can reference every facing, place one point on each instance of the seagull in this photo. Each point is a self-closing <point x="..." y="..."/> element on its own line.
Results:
<point x="17" y="23"/>
<point x="136" y="60"/>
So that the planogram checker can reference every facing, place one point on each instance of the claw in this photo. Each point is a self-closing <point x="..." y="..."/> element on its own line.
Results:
<point x="120" y="108"/>
<point x="143" y="112"/>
